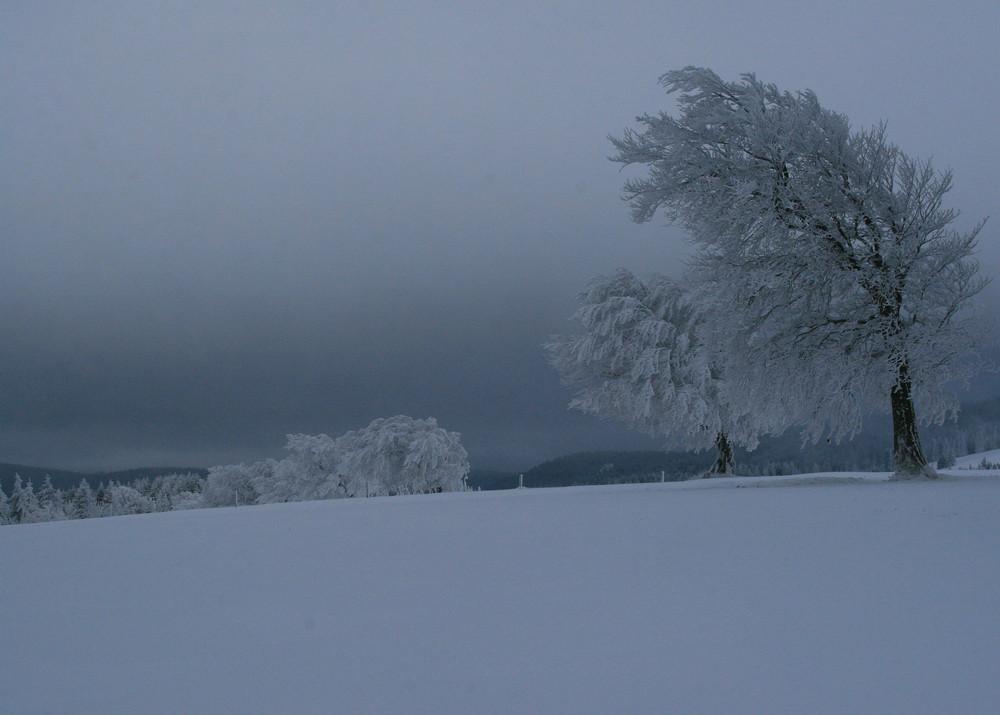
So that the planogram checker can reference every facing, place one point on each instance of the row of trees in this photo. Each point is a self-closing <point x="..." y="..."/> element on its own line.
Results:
<point x="397" y="455"/>
<point x="164" y="493"/>
<point x="826" y="279"/>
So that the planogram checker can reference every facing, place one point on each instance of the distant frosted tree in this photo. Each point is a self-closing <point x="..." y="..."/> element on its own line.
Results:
<point x="230" y="485"/>
<point x="102" y="501"/>
<point x="82" y="504"/>
<point x="833" y="245"/>
<point x="178" y="491"/>
<point x="402" y="455"/>
<point x="23" y="502"/>
<point x="398" y="455"/>
<point x="5" y="517"/>
<point x="947" y="458"/>
<point x="310" y="471"/>
<point x="165" y="490"/>
<point x="50" y="501"/>
<point x="125" y="499"/>
<point x="650" y="356"/>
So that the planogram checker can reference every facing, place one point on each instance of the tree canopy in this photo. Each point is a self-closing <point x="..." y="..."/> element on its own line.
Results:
<point x="832" y="246"/>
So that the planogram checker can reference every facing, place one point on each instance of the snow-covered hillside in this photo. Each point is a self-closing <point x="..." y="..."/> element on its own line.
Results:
<point x="972" y="461"/>
<point x="720" y="596"/>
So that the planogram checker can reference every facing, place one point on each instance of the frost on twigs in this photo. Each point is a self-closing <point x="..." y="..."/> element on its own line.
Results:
<point x="832" y="249"/>
<point x="395" y="455"/>
<point x="657" y="355"/>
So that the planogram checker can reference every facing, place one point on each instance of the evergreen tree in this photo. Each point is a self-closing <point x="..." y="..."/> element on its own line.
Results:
<point x="50" y="501"/>
<point x="82" y="502"/>
<point x="23" y="502"/>
<point x="4" y="508"/>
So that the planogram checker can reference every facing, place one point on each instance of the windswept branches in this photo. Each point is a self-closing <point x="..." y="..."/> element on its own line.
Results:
<point x="654" y="357"/>
<point x="834" y="244"/>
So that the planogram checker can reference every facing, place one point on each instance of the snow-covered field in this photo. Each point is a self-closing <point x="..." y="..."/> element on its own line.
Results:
<point x="843" y="593"/>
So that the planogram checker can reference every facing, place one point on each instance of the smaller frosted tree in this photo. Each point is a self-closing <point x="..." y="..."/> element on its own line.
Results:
<point x="127" y="500"/>
<point x="82" y="504"/>
<point x="651" y="357"/>
<point x="4" y="507"/>
<point x="23" y="502"/>
<point x="398" y="455"/>
<point x="50" y="501"/>
<point x="402" y="455"/>
<point x="230" y="485"/>
<point x="310" y="471"/>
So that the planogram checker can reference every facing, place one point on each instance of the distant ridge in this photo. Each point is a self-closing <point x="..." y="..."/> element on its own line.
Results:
<point x="616" y="467"/>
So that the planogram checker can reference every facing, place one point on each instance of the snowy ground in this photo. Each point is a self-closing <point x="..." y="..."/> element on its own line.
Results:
<point x="843" y="593"/>
<point x="974" y="460"/>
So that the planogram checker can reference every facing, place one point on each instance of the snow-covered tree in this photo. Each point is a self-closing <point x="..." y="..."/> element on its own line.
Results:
<point x="23" y="502"/>
<point x="125" y="499"/>
<point x="310" y="471"/>
<point x="230" y="485"/>
<point x="82" y="503"/>
<point x="833" y="246"/>
<point x="179" y="491"/>
<point x="167" y="490"/>
<point x="102" y="501"/>
<point x="651" y="357"/>
<point x="5" y="517"/>
<point x="402" y="455"/>
<point x="398" y="455"/>
<point x="50" y="501"/>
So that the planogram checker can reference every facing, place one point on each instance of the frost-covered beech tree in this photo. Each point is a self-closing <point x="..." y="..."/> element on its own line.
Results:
<point x="834" y="247"/>
<point x="124" y="499"/>
<point x="398" y="455"/>
<point x="650" y="357"/>
<point x="310" y="471"/>
<point x="402" y="455"/>
<point x="230" y="485"/>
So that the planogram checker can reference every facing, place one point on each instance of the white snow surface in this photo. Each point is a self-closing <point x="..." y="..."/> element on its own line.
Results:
<point x="971" y="461"/>
<point x="833" y="593"/>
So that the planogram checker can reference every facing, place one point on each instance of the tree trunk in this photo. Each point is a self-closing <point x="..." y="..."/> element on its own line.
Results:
<point x="723" y="466"/>
<point x="907" y="454"/>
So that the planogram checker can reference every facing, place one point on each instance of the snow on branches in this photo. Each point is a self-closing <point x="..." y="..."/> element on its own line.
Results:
<point x="650" y="356"/>
<point x="397" y="455"/>
<point x="832" y="245"/>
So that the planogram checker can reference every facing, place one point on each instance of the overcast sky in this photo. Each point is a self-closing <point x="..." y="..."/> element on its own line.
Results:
<point x="222" y="223"/>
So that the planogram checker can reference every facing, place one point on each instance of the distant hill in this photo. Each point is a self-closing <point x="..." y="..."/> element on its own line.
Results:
<point x="65" y="479"/>
<point x="491" y="479"/>
<point x="613" y="467"/>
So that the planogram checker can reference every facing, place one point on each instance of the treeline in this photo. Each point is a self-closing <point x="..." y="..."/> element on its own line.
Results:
<point x="374" y="462"/>
<point x="397" y="455"/>
<point x="25" y="505"/>
<point x="67" y="480"/>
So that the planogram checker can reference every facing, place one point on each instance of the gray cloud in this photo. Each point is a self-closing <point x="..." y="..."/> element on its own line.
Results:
<point x="223" y="224"/>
